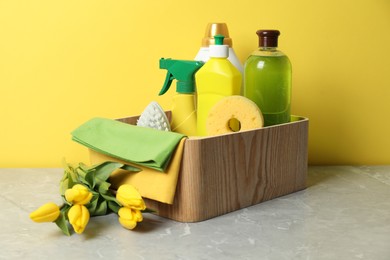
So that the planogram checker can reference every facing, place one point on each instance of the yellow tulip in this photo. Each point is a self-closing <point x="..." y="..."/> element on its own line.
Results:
<point x="78" y="216"/>
<point x="129" y="197"/>
<point x="128" y="218"/>
<point x="48" y="212"/>
<point x="78" y="194"/>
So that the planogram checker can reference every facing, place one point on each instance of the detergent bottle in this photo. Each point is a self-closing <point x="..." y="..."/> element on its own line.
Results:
<point x="267" y="79"/>
<point x="213" y="29"/>
<point x="218" y="78"/>
<point x="183" y="108"/>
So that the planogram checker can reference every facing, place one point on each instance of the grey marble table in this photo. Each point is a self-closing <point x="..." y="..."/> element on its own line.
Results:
<point x="343" y="214"/>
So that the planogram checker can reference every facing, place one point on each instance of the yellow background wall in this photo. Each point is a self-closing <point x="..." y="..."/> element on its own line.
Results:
<point x="63" y="62"/>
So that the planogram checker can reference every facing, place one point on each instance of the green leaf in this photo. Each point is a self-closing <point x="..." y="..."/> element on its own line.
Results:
<point x="67" y="179"/>
<point x="90" y="179"/>
<point x="84" y="167"/>
<point x="85" y="182"/>
<point x="101" y="208"/>
<point x="114" y="206"/>
<point x="70" y="171"/>
<point x="92" y="205"/>
<point x="104" y="170"/>
<point x="65" y="165"/>
<point x="103" y="187"/>
<point x="130" y="168"/>
<point x="66" y="182"/>
<point x="81" y="174"/>
<point x="110" y="198"/>
<point x="61" y="221"/>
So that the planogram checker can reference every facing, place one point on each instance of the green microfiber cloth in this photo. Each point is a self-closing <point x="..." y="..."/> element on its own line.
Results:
<point x="145" y="146"/>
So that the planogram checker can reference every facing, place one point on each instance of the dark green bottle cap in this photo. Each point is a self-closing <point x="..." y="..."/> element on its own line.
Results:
<point x="219" y="39"/>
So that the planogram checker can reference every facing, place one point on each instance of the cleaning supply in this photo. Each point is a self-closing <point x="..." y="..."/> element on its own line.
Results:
<point x="183" y="108"/>
<point x="154" y="117"/>
<point x="217" y="79"/>
<point x="233" y="110"/>
<point x="144" y="146"/>
<point x="151" y="183"/>
<point x="267" y="79"/>
<point x="213" y="29"/>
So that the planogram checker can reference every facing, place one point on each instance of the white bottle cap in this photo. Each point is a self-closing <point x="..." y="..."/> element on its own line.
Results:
<point x="219" y="50"/>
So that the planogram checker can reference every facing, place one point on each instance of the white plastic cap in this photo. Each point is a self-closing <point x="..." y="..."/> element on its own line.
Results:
<point x="219" y="51"/>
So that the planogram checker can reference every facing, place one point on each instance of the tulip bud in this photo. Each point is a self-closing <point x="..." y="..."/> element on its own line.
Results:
<point x="128" y="218"/>
<point x="129" y="197"/>
<point x="78" y="194"/>
<point x="48" y="212"/>
<point x="78" y="216"/>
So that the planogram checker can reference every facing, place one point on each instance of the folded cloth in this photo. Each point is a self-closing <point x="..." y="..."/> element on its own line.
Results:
<point x="144" y="146"/>
<point x="150" y="183"/>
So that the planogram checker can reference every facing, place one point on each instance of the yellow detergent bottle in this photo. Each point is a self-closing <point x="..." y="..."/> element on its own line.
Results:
<point x="218" y="78"/>
<point x="213" y="29"/>
<point x="183" y="108"/>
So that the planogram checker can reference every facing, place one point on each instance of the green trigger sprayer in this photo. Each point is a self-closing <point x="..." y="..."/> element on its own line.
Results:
<point x="183" y="109"/>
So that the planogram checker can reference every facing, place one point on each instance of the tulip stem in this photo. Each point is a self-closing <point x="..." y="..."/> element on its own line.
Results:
<point x="114" y="192"/>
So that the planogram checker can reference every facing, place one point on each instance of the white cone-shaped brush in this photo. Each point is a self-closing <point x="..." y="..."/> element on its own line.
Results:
<point x="154" y="117"/>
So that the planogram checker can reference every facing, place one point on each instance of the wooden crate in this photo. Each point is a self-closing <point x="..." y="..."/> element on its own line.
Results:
<point x="229" y="172"/>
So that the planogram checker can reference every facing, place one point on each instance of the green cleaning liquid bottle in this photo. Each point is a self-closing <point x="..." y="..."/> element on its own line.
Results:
<point x="267" y="79"/>
<point x="183" y="108"/>
<point x="218" y="78"/>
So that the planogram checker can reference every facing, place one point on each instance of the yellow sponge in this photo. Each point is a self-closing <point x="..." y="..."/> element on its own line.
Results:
<point x="233" y="114"/>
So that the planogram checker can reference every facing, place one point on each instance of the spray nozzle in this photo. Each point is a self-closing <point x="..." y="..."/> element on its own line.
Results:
<point x="181" y="70"/>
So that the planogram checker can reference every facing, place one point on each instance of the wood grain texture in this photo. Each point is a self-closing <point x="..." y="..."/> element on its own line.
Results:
<point x="225" y="173"/>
